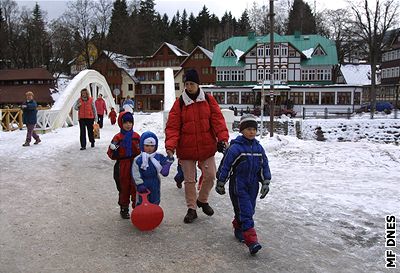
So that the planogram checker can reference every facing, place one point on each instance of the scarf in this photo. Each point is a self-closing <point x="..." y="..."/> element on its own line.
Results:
<point x="127" y="142"/>
<point x="145" y="162"/>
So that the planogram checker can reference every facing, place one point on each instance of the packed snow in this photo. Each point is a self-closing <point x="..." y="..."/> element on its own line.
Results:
<point x="308" y="52"/>
<point x="325" y="211"/>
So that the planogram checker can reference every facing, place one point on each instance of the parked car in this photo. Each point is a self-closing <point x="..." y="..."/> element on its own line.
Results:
<point x="381" y="106"/>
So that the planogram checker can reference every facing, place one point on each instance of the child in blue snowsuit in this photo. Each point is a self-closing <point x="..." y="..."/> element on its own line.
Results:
<point x="147" y="166"/>
<point x="245" y="165"/>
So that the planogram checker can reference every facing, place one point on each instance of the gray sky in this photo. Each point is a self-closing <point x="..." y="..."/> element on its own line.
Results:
<point x="55" y="8"/>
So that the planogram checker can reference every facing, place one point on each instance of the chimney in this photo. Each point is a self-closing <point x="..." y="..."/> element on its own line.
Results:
<point x="297" y="34"/>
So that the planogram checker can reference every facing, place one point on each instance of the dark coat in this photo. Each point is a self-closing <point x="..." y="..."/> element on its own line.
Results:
<point x="29" y="112"/>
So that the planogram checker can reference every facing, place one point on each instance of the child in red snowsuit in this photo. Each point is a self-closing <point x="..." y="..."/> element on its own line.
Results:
<point x="124" y="148"/>
<point x="112" y="116"/>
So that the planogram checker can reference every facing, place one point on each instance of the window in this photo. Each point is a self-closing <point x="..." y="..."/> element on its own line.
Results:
<point x="283" y="74"/>
<point x="130" y="87"/>
<point x="312" y="97"/>
<point x="284" y="51"/>
<point x="240" y="75"/>
<point x="319" y="52"/>
<point x="344" y="98"/>
<point x="260" y="51"/>
<point x="204" y="70"/>
<point x="229" y="53"/>
<point x="260" y="74"/>
<point x="328" y="98"/>
<point x="292" y="53"/>
<point x="233" y="97"/>
<point x="226" y="75"/>
<point x="276" y="74"/>
<point x="308" y="75"/>
<point x="247" y="98"/>
<point x="253" y="53"/>
<point x="267" y="74"/>
<point x="219" y="76"/>
<point x="267" y="50"/>
<point x="276" y="50"/>
<point x="234" y="75"/>
<point x="219" y="97"/>
<point x="297" y="97"/>
<point x="177" y="86"/>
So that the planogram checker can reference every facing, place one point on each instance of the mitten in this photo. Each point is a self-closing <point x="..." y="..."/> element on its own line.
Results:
<point x="23" y="106"/>
<point x="264" y="189"/>
<point x="141" y="188"/>
<point x="221" y="146"/>
<point x="220" y="187"/>
<point x="113" y="146"/>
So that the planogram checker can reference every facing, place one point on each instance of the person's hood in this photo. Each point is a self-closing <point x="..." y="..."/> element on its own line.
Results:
<point x="146" y="135"/>
<point x="120" y="118"/>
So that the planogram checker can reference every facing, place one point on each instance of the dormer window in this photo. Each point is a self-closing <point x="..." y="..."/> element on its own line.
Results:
<point x="229" y="53"/>
<point x="319" y="51"/>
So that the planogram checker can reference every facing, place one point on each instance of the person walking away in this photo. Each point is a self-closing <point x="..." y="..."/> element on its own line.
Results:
<point x="101" y="108"/>
<point x="87" y="115"/>
<point x="128" y="104"/>
<point x="123" y="149"/>
<point x="147" y="167"/>
<point x="112" y="116"/>
<point x="29" y="117"/>
<point x="245" y="165"/>
<point x="195" y="125"/>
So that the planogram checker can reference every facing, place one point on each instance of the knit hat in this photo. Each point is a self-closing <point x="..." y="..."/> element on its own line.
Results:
<point x="127" y="117"/>
<point x="247" y="121"/>
<point x="192" y="76"/>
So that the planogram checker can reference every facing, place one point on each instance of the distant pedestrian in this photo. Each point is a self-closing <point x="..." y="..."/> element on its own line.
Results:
<point x="29" y="116"/>
<point x="112" y="116"/>
<point x="129" y="105"/>
<point x="101" y="108"/>
<point x="87" y="115"/>
<point x="245" y="165"/>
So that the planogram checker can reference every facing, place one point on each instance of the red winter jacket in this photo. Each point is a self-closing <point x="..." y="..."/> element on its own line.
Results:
<point x="101" y="106"/>
<point x="194" y="129"/>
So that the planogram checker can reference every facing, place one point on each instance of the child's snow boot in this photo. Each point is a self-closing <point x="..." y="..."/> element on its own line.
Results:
<point x="250" y="238"/>
<point x="190" y="216"/>
<point x="26" y="144"/>
<point x="124" y="213"/>
<point x="237" y="231"/>
<point x="205" y="207"/>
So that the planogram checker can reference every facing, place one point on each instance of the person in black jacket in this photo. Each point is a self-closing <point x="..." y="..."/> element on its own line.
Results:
<point x="29" y="117"/>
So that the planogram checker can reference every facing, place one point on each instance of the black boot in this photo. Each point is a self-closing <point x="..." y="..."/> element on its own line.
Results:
<point x="205" y="207"/>
<point x="124" y="213"/>
<point x="190" y="216"/>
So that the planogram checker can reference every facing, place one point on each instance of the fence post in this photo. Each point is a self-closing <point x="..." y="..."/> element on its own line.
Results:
<point x="395" y="113"/>
<point x="304" y="112"/>
<point x="348" y="113"/>
<point x="20" y="123"/>
<point x="326" y="113"/>
<point x="1" y="120"/>
<point x="7" y="121"/>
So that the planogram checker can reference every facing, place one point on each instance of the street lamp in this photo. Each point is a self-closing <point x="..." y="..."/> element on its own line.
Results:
<point x="272" y="68"/>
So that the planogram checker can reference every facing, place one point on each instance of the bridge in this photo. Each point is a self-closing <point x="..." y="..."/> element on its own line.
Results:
<point x="62" y="114"/>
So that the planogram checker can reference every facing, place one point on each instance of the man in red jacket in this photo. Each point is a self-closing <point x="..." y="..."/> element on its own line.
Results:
<point x="101" y="107"/>
<point x="195" y="125"/>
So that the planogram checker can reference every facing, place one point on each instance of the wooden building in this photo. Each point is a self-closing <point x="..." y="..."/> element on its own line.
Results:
<point x="14" y="83"/>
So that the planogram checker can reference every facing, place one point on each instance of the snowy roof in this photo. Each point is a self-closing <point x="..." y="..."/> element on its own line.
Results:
<point x="308" y="52"/>
<point x="131" y="72"/>
<point x="119" y="60"/>
<point x="359" y="74"/>
<point x="177" y="51"/>
<point x="208" y="53"/>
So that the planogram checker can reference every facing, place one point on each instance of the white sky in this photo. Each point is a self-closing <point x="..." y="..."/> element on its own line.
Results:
<point x="56" y="7"/>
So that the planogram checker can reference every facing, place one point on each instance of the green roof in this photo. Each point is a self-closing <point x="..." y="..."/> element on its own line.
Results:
<point x="301" y="43"/>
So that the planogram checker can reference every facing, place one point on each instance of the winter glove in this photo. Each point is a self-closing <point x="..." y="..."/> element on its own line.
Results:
<point x="113" y="146"/>
<point x="221" y="146"/>
<point x="141" y="188"/>
<point x="264" y="189"/>
<point x="23" y="106"/>
<point x="220" y="187"/>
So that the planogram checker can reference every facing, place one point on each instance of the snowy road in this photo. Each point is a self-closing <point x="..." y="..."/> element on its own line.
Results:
<point x="325" y="211"/>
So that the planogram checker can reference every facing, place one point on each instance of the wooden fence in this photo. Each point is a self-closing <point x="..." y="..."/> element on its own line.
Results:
<point x="11" y="119"/>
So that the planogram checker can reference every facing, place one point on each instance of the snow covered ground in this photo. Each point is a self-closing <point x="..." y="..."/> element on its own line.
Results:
<point x="325" y="211"/>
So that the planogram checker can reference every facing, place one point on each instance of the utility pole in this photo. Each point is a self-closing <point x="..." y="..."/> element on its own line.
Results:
<point x="272" y="68"/>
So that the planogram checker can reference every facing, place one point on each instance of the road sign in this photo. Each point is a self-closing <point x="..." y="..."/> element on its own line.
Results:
<point x="116" y="91"/>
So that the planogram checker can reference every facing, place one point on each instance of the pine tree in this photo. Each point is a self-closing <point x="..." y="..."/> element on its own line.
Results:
<point x="118" y="34"/>
<point x="243" y="24"/>
<point x="301" y="19"/>
<point x="184" y="25"/>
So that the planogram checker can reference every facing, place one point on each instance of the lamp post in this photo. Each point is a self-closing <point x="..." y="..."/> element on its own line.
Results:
<point x="271" y="65"/>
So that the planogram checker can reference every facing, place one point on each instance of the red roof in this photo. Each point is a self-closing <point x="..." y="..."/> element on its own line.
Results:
<point x="15" y="94"/>
<point x="25" y="74"/>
